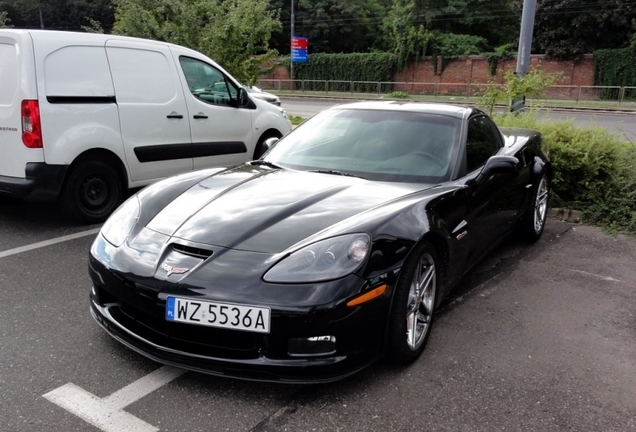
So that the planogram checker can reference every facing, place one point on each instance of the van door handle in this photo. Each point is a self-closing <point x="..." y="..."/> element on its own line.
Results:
<point x="200" y="116"/>
<point x="174" y="115"/>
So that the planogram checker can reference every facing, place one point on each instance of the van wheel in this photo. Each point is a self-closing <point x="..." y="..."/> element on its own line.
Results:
<point x="260" y="148"/>
<point x="92" y="191"/>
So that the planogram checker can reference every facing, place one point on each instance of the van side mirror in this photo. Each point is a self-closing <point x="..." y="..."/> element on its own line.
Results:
<point x="242" y="98"/>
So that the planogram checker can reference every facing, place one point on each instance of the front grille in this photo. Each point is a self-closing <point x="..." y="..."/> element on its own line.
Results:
<point x="206" y="341"/>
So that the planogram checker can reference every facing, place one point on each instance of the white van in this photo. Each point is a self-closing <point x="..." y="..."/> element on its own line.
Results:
<point x="84" y="116"/>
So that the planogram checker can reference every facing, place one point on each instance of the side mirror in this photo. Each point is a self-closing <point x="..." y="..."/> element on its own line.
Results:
<point x="242" y="98"/>
<point x="498" y="165"/>
<point x="269" y="143"/>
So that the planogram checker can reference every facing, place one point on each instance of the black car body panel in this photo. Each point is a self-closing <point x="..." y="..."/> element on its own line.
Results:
<point x="225" y="229"/>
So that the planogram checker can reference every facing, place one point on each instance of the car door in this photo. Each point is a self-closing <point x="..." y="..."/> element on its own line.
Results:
<point x="221" y="131"/>
<point x="152" y="109"/>
<point x="495" y="200"/>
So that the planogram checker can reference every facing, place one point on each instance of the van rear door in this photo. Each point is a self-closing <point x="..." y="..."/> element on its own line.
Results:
<point x="152" y="109"/>
<point x="17" y="83"/>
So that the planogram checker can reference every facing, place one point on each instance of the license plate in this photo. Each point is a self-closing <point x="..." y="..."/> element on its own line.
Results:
<point x="222" y="315"/>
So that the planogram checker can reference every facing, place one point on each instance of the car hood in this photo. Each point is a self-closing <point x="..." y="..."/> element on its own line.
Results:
<point x="259" y="209"/>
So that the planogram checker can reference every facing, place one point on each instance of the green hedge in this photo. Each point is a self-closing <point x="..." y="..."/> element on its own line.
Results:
<point x="374" y="67"/>
<point x="615" y="67"/>
<point x="593" y="171"/>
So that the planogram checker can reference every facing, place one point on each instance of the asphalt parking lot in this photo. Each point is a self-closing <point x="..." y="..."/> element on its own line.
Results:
<point x="536" y="338"/>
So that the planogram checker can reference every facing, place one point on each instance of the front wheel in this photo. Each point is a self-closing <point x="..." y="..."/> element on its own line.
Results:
<point x="533" y="220"/>
<point x="413" y="305"/>
<point x="92" y="191"/>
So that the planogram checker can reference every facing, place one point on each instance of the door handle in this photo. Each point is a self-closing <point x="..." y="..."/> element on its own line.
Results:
<point x="200" y="116"/>
<point x="174" y="115"/>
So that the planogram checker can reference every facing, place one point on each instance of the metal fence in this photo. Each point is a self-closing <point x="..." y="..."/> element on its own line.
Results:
<point x="560" y="93"/>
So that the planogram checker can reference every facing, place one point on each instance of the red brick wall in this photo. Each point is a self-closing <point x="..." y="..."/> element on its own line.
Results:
<point x="476" y="70"/>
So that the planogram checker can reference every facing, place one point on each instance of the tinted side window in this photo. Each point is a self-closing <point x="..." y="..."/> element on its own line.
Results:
<point x="481" y="143"/>
<point x="206" y="83"/>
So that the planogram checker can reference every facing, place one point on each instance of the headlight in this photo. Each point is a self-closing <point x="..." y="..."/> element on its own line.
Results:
<point x="283" y="112"/>
<point x="324" y="260"/>
<point x="121" y="222"/>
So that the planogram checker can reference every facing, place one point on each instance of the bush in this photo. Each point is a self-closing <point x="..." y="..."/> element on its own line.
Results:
<point x="593" y="171"/>
<point x="398" y="95"/>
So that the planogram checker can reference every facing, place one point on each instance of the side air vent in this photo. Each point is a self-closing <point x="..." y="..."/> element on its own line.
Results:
<point x="192" y="251"/>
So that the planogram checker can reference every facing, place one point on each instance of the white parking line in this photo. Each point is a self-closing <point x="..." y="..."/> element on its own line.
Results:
<point x="48" y="242"/>
<point x="107" y="413"/>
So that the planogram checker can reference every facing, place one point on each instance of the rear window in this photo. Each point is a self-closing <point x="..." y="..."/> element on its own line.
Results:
<point x="8" y="73"/>
<point x="77" y="71"/>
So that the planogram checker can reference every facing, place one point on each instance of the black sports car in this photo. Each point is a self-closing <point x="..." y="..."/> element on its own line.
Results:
<point x="331" y="251"/>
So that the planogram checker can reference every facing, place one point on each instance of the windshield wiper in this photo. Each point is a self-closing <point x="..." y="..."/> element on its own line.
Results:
<point x="335" y="172"/>
<point x="265" y="163"/>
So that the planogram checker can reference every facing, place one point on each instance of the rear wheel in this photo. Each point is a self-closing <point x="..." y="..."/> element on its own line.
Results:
<point x="414" y="305"/>
<point x="533" y="221"/>
<point x="92" y="191"/>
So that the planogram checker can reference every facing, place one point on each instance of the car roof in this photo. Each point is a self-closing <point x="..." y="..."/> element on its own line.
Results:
<point x="408" y="106"/>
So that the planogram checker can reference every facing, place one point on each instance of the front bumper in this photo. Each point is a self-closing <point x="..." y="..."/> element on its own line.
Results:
<point x="132" y="310"/>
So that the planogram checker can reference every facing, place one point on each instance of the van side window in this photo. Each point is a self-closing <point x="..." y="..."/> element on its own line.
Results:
<point x="208" y="84"/>
<point x="141" y="76"/>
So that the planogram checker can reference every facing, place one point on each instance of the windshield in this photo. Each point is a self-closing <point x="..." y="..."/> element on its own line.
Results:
<point x="377" y="145"/>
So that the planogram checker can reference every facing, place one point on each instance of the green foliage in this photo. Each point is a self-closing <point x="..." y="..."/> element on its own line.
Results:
<point x="332" y="26"/>
<point x="616" y="67"/>
<point x="234" y="33"/>
<point x="449" y="46"/>
<point x="532" y="84"/>
<point x="405" y="37"/>
<point x="58" y="14"/>
<point x="497" y="21"/>
<point x="398" y="95"/>
<point x="296" y="120"/>
<point x="502" y="52"/>
<point x="93" y="27"/>
<point x="593" y="171"/>
<point x="374" y="67"/>
<point x="571" y="28"/>
<point x="4" y="20"/>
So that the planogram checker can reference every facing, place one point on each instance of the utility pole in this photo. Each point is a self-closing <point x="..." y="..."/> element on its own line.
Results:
<point x="525" y="46"/>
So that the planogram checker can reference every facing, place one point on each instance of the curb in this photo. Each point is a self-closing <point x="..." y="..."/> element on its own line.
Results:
<point x="567" y="215"/>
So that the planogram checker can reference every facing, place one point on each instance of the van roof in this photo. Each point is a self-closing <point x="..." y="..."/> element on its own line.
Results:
<point x="87" y="38"/>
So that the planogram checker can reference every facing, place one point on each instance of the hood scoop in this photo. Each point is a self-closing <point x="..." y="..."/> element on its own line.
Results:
<point x="190" y="251"/>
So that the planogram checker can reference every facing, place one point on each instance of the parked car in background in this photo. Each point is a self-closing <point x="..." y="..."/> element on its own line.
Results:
<point x="331" y="251"/>
<point x="260" y="94"/>
<point x="85" y="116"/>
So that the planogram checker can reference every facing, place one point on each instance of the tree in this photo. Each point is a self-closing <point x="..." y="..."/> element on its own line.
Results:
<point x="405" y="37"/>
<point x="571" y="28"/>
<point x="332" y="26"/>
<point x="533" y="84"/>
<point x="497" y="21"/>
<point x="58" y="14"/>
<point x="4" y="21"/>
<point x="235" y="33"/>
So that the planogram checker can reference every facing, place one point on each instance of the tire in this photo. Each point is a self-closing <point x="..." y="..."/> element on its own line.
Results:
<point x="92" y="191"/>
<point x="260" y="149"/>
<point x="533" y="221"/>
<point x="413" y="305"/>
